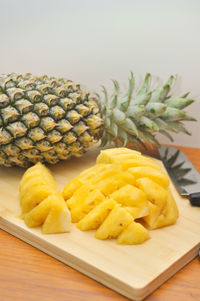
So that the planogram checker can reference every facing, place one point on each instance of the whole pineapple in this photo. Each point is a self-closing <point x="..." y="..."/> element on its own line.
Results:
<point x="47" y="119"/>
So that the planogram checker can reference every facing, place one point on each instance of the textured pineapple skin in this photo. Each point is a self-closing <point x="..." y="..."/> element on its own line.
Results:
<point x="45" y="119"/>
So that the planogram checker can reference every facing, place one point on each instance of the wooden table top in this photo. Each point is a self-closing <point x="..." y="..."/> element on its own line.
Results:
<point x="28" y="274"/>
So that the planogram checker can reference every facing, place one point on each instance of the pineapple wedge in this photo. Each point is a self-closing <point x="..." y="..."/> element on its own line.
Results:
<point x="38" y="171"/>
<point x="150" y="219"/>
<point x="154" y="192"/>
<point x="137" y="212"/>
<point x="41" y="202"/>
<point x="109" y="171"/>
<point x="134" y="200"/>
<point x="52" y="214"/>
<point x="33" y="178"/>
<point x="84" y="176"/>
<point x="118" y="158"/>
<point x="35" y="196"/>
<point x="157" y="176"/>
<point x="107" y="155"/>
<point x="130" y="195"/>
<point x="84" y="200"/>
<point x="114" y="182"/>
<point x="115" y="222"/>
<point x="139" y="161"/>
<point x="36" y="184"/>
<point x="96" y="216"/>
<point x="134" y="234"/>
<point x="168" y="215"/>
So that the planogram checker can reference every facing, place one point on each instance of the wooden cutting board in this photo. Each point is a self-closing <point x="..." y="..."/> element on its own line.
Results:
<point x="133" y="271"/>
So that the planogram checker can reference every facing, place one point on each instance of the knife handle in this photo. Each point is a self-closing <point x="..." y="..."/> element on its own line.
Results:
<point x="195" y="199"/>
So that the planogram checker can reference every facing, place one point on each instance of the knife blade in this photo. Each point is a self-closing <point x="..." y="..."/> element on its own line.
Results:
<point x="183" y="174"/>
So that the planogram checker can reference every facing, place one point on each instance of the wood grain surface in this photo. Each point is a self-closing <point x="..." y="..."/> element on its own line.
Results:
<point x="29" y="274"/>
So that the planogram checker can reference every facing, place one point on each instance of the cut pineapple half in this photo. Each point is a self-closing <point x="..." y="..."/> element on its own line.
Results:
<point x="123" y="187"/>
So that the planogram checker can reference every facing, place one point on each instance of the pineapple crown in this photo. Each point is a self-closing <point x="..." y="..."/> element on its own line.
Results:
<point x="136" y="117"/>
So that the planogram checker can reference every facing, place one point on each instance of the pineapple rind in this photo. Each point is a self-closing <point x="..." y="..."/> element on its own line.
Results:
<point x="46" y="115"/>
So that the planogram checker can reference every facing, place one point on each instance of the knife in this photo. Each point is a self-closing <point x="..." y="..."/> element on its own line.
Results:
<point x="183" y="174"/>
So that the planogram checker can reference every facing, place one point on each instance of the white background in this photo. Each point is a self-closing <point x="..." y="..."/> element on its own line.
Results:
<point x="92" y="42"/>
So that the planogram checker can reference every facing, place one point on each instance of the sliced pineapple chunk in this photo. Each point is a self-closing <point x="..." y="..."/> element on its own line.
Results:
<point x="111" y="170"/>
<point x="41" y="172"/>
<point x="168" y="215"/>
<point x="52" y="213"/>
<point x="157" y="176"/>
<point x="134" y="200"/>
<point x="122" y="157"/>
<point x="150" y="219"/>
<point x="114" y="182"/>
<point x="115" y="222"/>
<point x="84" y="176"/>
<point x="35" y="196"/>
<point x="107" y="155"/>
<point x="134" y="234"/>
<point x="130" y="195"/>
<point x="38" y="214"/>
<point x="116" y="155"/>
<point x="41" y="202"/>
<point x="84" y="200"/>
<point x="154" y="192"/>
<point x="34" y="176"/>
<point x="71" y="187"/>
<point x="36" y="184"/>
<point x="96" y="216"/>
<point x="58" y="219"/>
<point x="139" y="161"/>
<point x="137" y="212"/>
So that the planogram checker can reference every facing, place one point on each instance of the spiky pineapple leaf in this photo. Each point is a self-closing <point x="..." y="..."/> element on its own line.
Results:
<point x="136" y="116"/>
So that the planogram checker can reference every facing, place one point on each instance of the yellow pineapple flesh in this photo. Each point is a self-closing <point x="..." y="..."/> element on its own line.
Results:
<point x="122" y="187"/>
<point x="84" y="176"/>
<point x="42" y="203"/>
<point x="84" y="200"/>
<point x="106" y="156"/>
<point x="52" y="214"/>
<point x="96" y="216"/>
<point x="133" y="199"/>
<point x="134" y="234"/>
<point x="148" y="172"/>
<point x="115" y="222"/>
